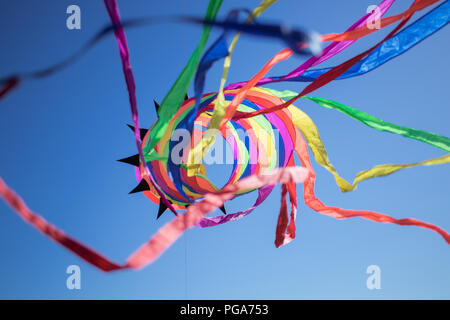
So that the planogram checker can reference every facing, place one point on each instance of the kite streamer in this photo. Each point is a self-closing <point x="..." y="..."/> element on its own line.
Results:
<point x="430" y="138"/>
<point x="261" y="126"/>
<point x="150" y="251"/>
<point x="412" y="35"/>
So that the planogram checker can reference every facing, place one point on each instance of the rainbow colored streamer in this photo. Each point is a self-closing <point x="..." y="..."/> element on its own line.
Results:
<point x="174" y="175"/>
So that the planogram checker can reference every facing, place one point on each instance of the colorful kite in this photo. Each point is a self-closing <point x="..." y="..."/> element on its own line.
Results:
<point x="175" y="177"/>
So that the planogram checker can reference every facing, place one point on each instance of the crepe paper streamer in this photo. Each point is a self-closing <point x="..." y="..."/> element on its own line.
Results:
<point x="176" y="94"/>
<point x="166" y="235"/>
<point x="404" y="40"/>
<point x="430" y="138"/>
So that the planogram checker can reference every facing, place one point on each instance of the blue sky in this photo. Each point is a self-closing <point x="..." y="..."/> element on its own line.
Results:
<point x="60" y="138"/>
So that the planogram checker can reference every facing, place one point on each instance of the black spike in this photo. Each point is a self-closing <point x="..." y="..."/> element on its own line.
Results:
<point x="133" y="160"/>
<point x="142" y="186"/>
<point x="186" y="97"/>
<point x="143" y="132"/>
<point x="162" y="208"/>
<point x="156" y="105"/>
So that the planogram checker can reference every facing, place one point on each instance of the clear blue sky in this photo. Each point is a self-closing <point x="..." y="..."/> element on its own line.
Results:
<point x="60" y="138"/>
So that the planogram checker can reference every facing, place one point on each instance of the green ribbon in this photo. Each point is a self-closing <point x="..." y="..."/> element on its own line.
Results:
<point x="430" y="138"/>
<point x="175" y="96"/>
